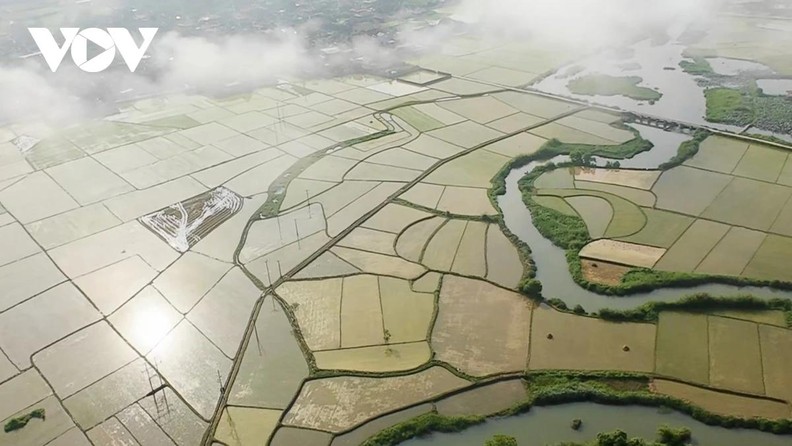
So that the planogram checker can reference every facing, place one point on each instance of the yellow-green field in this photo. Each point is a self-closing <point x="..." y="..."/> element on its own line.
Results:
<point x="725" y="212"/>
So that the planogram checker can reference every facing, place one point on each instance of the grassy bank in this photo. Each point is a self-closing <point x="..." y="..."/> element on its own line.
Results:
<point x="422" y="425"/>
<point x="703" y="302"/>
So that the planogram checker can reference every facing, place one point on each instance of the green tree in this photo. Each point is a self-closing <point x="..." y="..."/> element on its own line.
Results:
<point x="673" y="437"/>
<point x="531" y="287"/>
<point x="501" y="440"/>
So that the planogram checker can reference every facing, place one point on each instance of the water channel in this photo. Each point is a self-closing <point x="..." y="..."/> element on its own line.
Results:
<point x="550" y="425"/>
<point x="551" y="264"/>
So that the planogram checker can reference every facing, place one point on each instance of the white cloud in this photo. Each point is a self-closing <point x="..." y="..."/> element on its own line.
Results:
<point x="589" y="23"/>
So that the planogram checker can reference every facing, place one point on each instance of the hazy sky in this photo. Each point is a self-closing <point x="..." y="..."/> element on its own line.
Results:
<point x="29" y="90"/>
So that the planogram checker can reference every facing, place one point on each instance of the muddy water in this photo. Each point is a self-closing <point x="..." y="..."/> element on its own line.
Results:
<point x="735" y="67"/>
<point x="551" y="265"/>
<point x="551" y="425"/>
<point x="683" y="98"/>
<point x="666" y="145"/>
<point x="775" y="87"/>
<point x="658" y="65"/>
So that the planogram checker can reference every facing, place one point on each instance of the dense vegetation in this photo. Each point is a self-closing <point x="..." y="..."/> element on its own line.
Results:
<point x="749" y="105"/>
<point x="650" y="312"/>
<point x="553" y="388"/>
<point x="571" y="233"/>
<point x="501" y="440"/>
<point x="605" y="85"/>
<point x="696" y="66"/>
<point x="424" y="424"/>
<point x="565" y="231"/>
<point x="561" y="387"/>
<point x="687" y="150"/>
<point x="22" y="421"/>
<point x="666" y="436"/>
<point x="729" y="106"/>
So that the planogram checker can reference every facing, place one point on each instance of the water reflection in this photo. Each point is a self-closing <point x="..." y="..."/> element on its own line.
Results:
<point x="776" y="87"/>
<point x="550" y="425"/>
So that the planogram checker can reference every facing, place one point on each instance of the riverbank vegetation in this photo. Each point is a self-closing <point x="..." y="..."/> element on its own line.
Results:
<point x="650" y="312"/>
<point x="687" y="150"/>
<point x="666" y="436"/>
<point x="422" y="425"/>
<point x="570" y="232"/>
<point x="549" y="388"/>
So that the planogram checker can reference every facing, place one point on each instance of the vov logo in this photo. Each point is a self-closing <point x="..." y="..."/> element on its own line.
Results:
<point x="111" y="41"/>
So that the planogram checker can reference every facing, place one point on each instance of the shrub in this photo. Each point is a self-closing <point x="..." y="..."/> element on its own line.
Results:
<point x="501" y="440"/>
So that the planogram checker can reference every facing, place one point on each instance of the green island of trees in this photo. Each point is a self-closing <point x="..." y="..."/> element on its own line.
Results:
<point x="22" y="421"/>
<point x="696" y="65"/>
<point x="606" y="85"/>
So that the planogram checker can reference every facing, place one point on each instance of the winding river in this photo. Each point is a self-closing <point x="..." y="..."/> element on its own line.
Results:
<point x="551" y="265"/>
<point x="550" y="425"/>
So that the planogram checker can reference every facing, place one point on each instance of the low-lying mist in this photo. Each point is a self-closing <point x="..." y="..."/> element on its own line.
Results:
<point x="28" y="90"/>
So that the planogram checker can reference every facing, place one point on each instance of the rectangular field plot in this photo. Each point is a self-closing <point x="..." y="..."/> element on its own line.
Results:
<point x="622" y="253"/>
<point x="597" y="128"/>
<point x="418" y="119"/>
<point x="771" y="261"/>
<point x="719" y="153"/>
<point x="694" y="245"/>
<point x="776" y="344"/>
<point x="761" y="163"/>
<point x="783" y="223"/>
<point x="732" y="254"/>
<point x="466" y="134"/>
<point x="785" y="177"/>
<point x="361" y="312"/>
<point x="482" y="109"/>
<point x="749" y="203"/>
<point x="424" y="77"/>
<point x="767" y="317"/>
<point x="515" y="122"/>
<point x="568" y="342"/>
<point x="638" y="179"/>
<point x="473" y="170"/>
<point x="723" y="403"/>
<point x="682" y="347"/>
<point x="662" y="228"/>
<point x="535" y="105"/>
<point x="687" y="190"/>
<point x="504" y="76"/>
<point x="570" y="135"/>
<point x="735" y="357"/>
